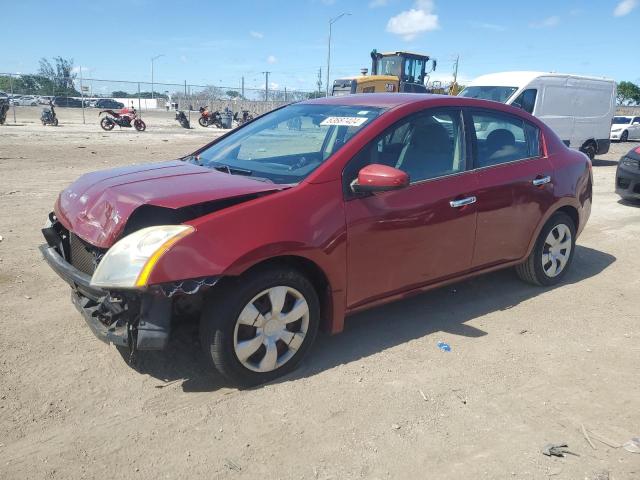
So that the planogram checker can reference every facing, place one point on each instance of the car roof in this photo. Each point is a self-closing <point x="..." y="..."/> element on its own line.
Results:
<point x="381" y="100"/>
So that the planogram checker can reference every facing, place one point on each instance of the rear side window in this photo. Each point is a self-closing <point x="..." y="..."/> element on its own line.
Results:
<point x="503" y="138"/>
<point x="526" y="100"/>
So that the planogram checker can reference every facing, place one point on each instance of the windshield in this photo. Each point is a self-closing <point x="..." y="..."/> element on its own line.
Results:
<point x="497" y="94"/>
<point x="391" y="65"/>
<point x="621" y="120"/>
<point x="288" y="144"/>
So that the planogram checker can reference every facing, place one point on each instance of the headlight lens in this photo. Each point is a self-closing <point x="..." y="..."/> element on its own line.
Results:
<point x="616" y="129"/>
<point x="630" y="162"/>
<point x="129" y="262"/>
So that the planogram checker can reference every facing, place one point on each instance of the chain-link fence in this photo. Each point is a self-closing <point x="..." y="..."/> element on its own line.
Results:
<point x="22" y="90"/>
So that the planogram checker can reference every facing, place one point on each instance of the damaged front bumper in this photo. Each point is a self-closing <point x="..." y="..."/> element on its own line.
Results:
<point x="139" y="320"/>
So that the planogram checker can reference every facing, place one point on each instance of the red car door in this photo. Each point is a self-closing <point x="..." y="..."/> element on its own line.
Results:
<point x="403" y="239"/>
<point x="515" y="185"/>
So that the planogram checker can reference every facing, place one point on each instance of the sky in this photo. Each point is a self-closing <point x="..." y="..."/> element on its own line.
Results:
<point x="213" y="42"/>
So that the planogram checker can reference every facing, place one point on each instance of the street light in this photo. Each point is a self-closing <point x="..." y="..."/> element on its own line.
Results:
<point x="153" y="59"/>
<point x="331" y="22"/>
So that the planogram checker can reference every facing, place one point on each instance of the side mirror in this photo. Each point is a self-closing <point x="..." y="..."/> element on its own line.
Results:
<point x="379" y="178"/>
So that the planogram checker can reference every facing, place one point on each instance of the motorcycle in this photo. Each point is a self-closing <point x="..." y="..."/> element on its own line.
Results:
<point x="48" y="116"/>
<point x="209" y="118"/>
<point x="246" y="117"/>
<point x="182" y="119"/>
<point x="122" y="119"/>
<point x="4" y="108"/>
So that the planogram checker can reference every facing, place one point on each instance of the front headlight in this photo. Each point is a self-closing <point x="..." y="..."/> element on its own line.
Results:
<point x="616" y="129"/>
<point x="129" y="262"/>
<point x="630" y="162"/>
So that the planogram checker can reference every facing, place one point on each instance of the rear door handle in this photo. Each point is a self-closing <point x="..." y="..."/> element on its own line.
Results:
<point x="462" y="202"/>
<point x="541" y="181"/>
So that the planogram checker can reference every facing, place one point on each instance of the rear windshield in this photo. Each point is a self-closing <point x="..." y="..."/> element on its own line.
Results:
<point x="621" y="120"/>
<point x="288" y="144"/>
<point x="497" y="94"/>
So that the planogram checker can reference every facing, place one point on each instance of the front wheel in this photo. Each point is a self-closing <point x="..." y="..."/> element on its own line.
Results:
<point x="552" y="253"/>
<point x="590" y="151"/>
<point x="106" y="124"/>
<point x="55" y="122"/>
<point x="624" y="137"/>
<point x="140" y="125"/>
<point x="258" y="327"/>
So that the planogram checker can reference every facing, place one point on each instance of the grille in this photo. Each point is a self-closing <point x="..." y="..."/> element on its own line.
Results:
<point x="81" y="257"/>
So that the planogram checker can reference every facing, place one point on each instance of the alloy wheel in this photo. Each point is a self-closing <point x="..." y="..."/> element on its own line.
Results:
<point x="271" y="328"/>
<point x="556" y="250"/>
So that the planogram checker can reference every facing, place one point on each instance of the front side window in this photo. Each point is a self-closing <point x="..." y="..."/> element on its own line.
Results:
<point x="526" y="100"/>
<point x="503" y="138"/>
<point x="425" y="146"/>
<point x="391" y="65"/>
<point x="286" y="145"/>
<point x="496" y="94"/>
<point x="636" y="121"/>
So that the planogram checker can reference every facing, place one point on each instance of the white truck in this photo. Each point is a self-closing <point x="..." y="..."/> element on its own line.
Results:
<point x="579" y="109"/>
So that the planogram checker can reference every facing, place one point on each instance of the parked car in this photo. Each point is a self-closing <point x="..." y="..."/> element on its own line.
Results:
<point x="26" y="101"/>
<point x="45" y="99"/>
<point x="628" y="175"/>
<point x="625" y="128"/>
<point x="67" y="102"/>
<point x="108" y="103"/>
<point x="272" y="233"/>
<point x="579" y="109"/>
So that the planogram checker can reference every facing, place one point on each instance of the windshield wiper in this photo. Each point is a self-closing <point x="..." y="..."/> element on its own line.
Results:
<point x="222" y="167"/>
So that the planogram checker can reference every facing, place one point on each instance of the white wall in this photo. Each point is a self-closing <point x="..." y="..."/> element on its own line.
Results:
<point x="145" y="103"/>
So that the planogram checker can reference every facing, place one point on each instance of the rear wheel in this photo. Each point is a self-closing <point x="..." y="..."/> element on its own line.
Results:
<point x="55" y="122"/>
<point x="202" y="121"/>
<point x="259" y="327"/>
<point x="106" y="124"/>
<point x="590" y="151"/>
<point x="624" y="137"/>
<point x="552" y="253"/>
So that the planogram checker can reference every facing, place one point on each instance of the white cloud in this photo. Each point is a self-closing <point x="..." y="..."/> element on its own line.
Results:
<point x="624" y="7"/>
<point x="548" y="22"/>
<point x="411" y="23"/>
<point x="273" y="85"/>
<point x="258" y="35"/>
<point x="489" y="26"/>
<point x="378" y="3"/>
<point x="271" y="59"/>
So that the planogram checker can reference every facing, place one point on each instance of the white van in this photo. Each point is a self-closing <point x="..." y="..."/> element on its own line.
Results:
<point x="579" y="109"/>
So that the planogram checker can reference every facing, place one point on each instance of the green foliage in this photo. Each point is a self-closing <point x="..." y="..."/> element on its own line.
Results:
<point x="233" y="94"/>
<point x="119" y="94"/>
<point x="60" y="74"/>
<point x="34" y="85"/>
<point x="628" y="92"/>
<point x="315" y="95"/>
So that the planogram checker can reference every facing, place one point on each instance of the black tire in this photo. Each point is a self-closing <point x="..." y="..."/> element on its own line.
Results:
<point x="139" y="125"/>
<point x="107" y="124"/>
<point x="532" y="271"/>
<point x="203" y="122"/>
<point x="222" y="309"/>
<point x="624" y="137"/>
<point x="55" y="122"/>
<point x="590" y="151"/>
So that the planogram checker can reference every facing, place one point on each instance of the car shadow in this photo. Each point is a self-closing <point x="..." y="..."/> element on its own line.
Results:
<point x="629" y="202"/>
<point x="446" y="309"/>
<point x="596" y="162"/>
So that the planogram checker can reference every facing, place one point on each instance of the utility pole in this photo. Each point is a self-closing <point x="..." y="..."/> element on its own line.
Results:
<point x="242" y="87"/>
<point x="153" y="59"/>
<point x="320" y="80"/>
<point x="331" y="22"/>
<point x="453" y="90"/>
<point x="266" y="86"/>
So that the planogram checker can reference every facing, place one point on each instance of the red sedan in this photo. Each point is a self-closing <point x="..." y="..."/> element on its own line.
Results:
<point x="312" y="212"/>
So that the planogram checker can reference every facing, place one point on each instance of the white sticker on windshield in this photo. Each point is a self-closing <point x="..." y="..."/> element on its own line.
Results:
<point x="344" y="121"/>
<point x="363" y="112"/>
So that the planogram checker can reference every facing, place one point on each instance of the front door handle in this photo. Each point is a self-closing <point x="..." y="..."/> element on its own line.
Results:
<point x="541" y="181"/>
<point x="462" y="202"/>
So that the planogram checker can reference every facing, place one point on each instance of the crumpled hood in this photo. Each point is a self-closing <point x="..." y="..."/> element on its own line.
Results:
<point x="96" y="207"/>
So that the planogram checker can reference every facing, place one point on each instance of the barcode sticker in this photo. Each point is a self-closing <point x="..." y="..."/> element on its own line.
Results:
<point x="344" y="121"/>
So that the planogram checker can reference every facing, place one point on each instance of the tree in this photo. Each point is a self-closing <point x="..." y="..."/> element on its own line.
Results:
<point x="62" y="74"/>
<point x="628" y="92"/>
<point x="233" y="93"/>
<point x="119" y="94"/>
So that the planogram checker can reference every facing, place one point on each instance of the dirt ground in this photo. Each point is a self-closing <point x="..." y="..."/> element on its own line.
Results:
<point x="528" y="366"/>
